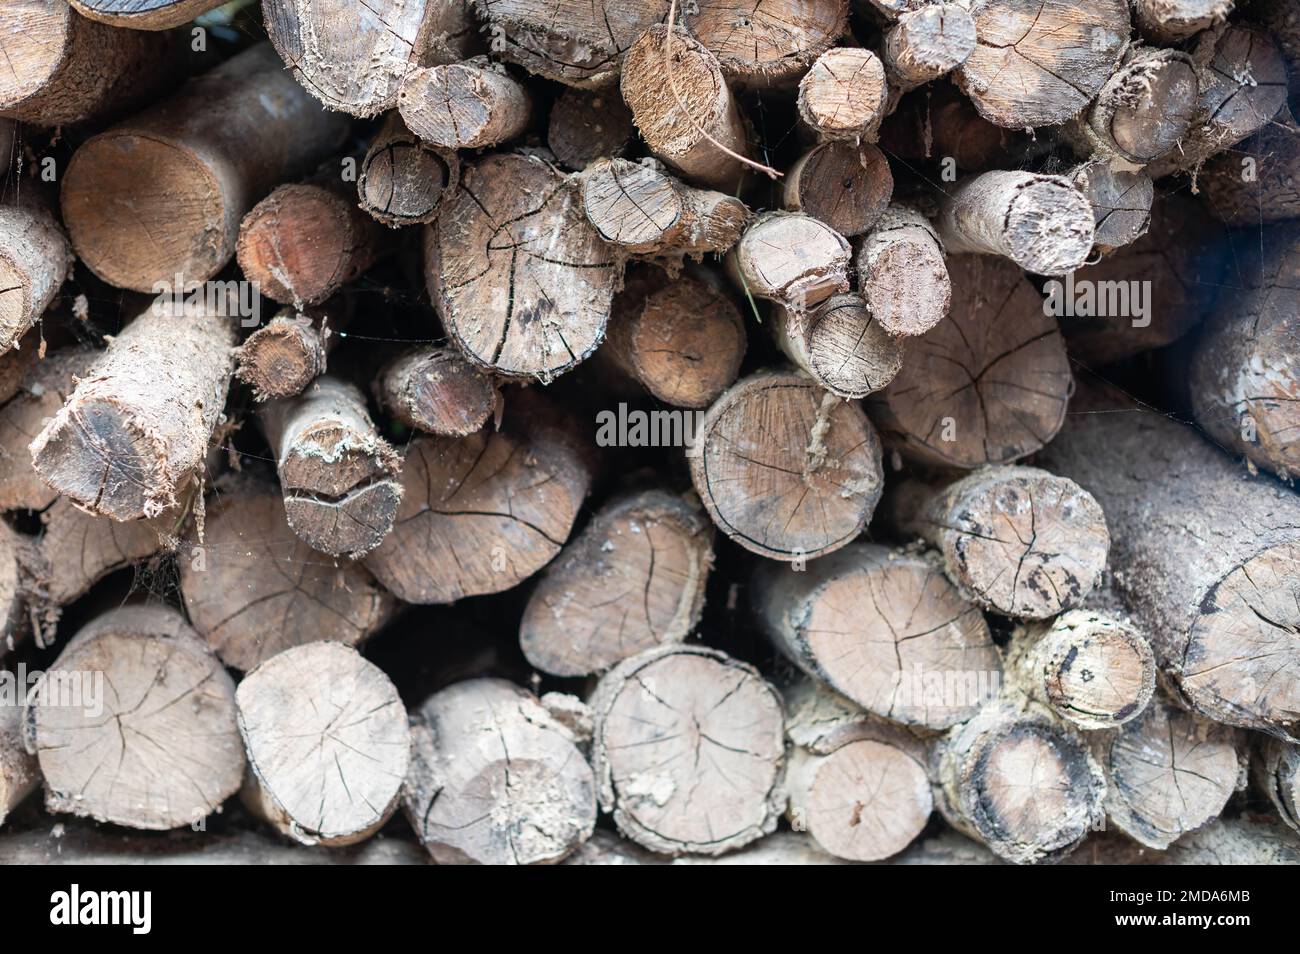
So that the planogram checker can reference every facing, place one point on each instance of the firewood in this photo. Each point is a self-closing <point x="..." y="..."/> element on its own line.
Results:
<point x="846" y="185"/>
<point x="790" y="258"/>
<point x="466" y="105"/>
<point x="18" y="362"/>
<point x="938" y="123"/>
<point x="1256" y="182"/>
<point x="1042" y="223"/>
<point x="883" y="629"/>
<point x="989" y="385"/>
<point x="63" y="68"/>
<point x="1204" y="558"/>
<point x="437" y="391"/>
<point x="339" y="477"/>
<point x="530" y="298"/>
<point x="480" y="514"/>
<point x="586" y="125"/>
<point x="1170" y="21"/>
<point x="773" y="43"/>
<point x="925" y="44"/>
<point x="786" y="470"/>
<point x="285" y="355"/>
<point x="19" y="774"/>
<point x="495" y="779"/>
<point x="153" y="743"/>
<point x="144" y="14"/>
<point x="633" y="579"/>
<point x="902" y="274"/>
<point x="1121" y="203"/>
<point x="844" y="94"/>
<point x="1248" y="840"/>
<point x="137" y="426"/>
<point x="688" y="750"/>
<point x="1275" y="769"/>
<point x="328" y="743"/>
<point x="35" y="258"/>
<point x="403" y="180"/>
<point x="199" y="161"/>
<point x="252" y="588"/>
<point x="1282" y="21"/>
<point x="840" y="344"/>
<point x="354" y="59"/>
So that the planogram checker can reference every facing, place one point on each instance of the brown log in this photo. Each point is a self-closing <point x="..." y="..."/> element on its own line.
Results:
<point x="436" y="390"/>
<point x="586" y="125"/>
<point x="403" y="180"/>
<point x="467" y="105"/>
<point x="17" y="363"/>
<point x="144" y="14"/>
<point x="771" y="43"/>
<point x="902" y="274"/>
<point x="846" y="185"/>
<point x="19" y="773"/>
<point x="1249" y="840"/>
<point x="1275" y="769"/>
<point x="844" y="94"/>
<point x="153" y="742"/>
<point x="927" y="43"/>
<point x="339" y="477"/>
<point x="495" y="779"/>
<point x="790" y="258"/>
<point x="786" y="470"/>
<point x="1121" y="203"/>
<point x="1171" y="21"/>
<point x="286" y="354"/>
<point x="840" y="344"/>
<point x="1255" y="182"/>
<point x="530" y="300"/>
<point x="1282" y="21"/>
<point x="938" y="122"/>
<point x="987" y="386"/>
<point x="632" y="580"/>
<point x="35" y="258"/>
<point x="688" y="750"/>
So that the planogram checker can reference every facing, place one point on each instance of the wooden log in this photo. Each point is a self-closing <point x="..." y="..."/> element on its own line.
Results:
<point x="1015" y="540"/>
<point x="1282" y="22"/>
<point x="987" y="386"/>
<point x="144" y="14"/>
<point x="632" y="580"/>
<point x="199" y="161"/>
<point x="530" y="301"/>
<point x="786" y="470"/>
<point x="884" y="629"/>
<point x="687" y="116"/>
<point x="64" y="69"/>
<point x="1039" y="62"/>
<point x="19" y="773"/>
<point x="846" y="185"/>
<point x="354" y="58"/>
<point x="1245" y="373"/>
<point x="1255" y="182"/>
<point x="495" y="779"/>
<point x="1042" y="223"/>
<point x="1171" y="21"/>
<point x="482" y="513"/>
<point x="328" y="743"/>
<point x="790" y="258"/>
<point x="437" y="391"/>
<point x="771" y="44"/>
<point x="152" y="742"/>
<point x="688" y="750"/>
<point x="586" y="125"/>
<point x="17" y="363"/>
<point x="339" y="477"/>
<point x="285" y="355"/>
<point x="844" y="95"/>
<point x="939" y="123"/>
<point x="1275" y="769"/>
<point x="403" y="180"/>
<point x="902" y="274"/>
<point x="927" y="43"/>
<point x="840" y="344"/>
<point x="1021" y="783"/>
<point x="681" y="340"/>
<point x="137" y="426"/>
<point x="1248" y="840"/>
<point x="467" y="105"/>
<point x="1203" y="558"/>
<point x="1121" y="203"/>
<point x="253" y="589"/>
<point x="35" y="258"/>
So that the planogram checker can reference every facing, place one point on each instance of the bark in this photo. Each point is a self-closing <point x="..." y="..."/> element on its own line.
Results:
<point x="1255" y="182"/>
<point x="328" y="744"/>
<point x="844" y="95"/>
<point x="987" y="386"/>
<point x="435" y="390"/>
<point x="63" y="68"/>
<point x="785" y="469"/>
<point x="199" y="161"/>
<point x="482" y="513"/>
<point x="688" y="750"/>
<point x="1203" y="557"/>
<point x="1121" y="203"/>
<point x="771" y="44"/>
<point x="284" y="356"/>
<point x="339" y="477"/>
<point x="467" y="105"/>
<point x="1039" y="62"/>
<point x="495" y="779"/>
<point x="840" y="344"/>
<point x="35" y="258"/>
<point x="1042" y="223"/>
<point x="528" y="298"/>
<point x="927" y="43"/>
<point x="404" y="181"/>
<point x="902" y="274"/>
<point x="353" y="58"/>
<point x="1275" y="769"/>
<point x="1171" y="21"/>
<point x="790" y="258"/>
<point x="884" y="629"/>
<point x="586" y="125"/>
<point x="632" y="580"/>
<point x="19" y="773"/>
<point x="164" y="751"/>
<point x="137" y="426"/>
<point x="253" y="589"/>
<point x="846" y="185"/>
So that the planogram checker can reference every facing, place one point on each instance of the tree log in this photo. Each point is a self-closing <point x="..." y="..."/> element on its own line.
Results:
<point x="403" y="180"/>
<point x="19" y="773"/>
<point x="286" y="354"/>
<point x="846" y="185"/>
<point x="927" y="43"/>
<point x="902" y="274"/>
<point x="790" y="258"/>
<point x="938" y="122"/>
<point x="840" y="344"/>
<point x="1248" y="840"/>
<point x="1171" y="21"/>
<point x="586" y="125"/>
<point x="35" y="258"/>
<point x="771" y="44"/>
<point x="844" y="95"/>
<point x="144" y="14"/>
<point x="437" y="391"/>
<point x="18" y="362"/>
<point x="1275" y="769"/>
<point x="1256" y="181"/>
<point x="1121" y="203"/>
<point x="467" y="105"/>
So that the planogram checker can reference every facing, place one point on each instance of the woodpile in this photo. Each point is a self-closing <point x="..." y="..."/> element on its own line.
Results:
<point x="491" y="432"/>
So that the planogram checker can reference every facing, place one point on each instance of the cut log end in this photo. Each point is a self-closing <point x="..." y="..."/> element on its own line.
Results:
<point x="1171" y="21"/>
<point x="844" y="94"/>
<point x="841" y="345"/>
<point x="772" y="43"/>
<point x="467" y="105"/>
<point x="793" y="259"/>
<point x="282" y="358"/>
<point x="846" y="185"/>
<point x="928" y="43"/>
<point x="437" y="391"/>
<point x="902" y="274"/>
<point x="403" y="181"/>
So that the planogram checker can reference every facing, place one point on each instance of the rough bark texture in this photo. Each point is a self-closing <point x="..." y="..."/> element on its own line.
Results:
<point x="790" y="258"/>
<point x="840" y="344"/>
<point x="1256" y="181"/>
<point x="404" y="181"/>
<point x="586" y="125"/>
<point x="844" y="94"/>
<point x="436" y="390"/>
<point x="688" y="750"/>
<point x="1170" y="21"/>
<point x="144" y="14"/>
<point x="467" y="105"/>
<point x="1146" y="108"/>
<point x="928" y="43"/>
<point x="770" y="42"/>
<point x="902" y="274"/>
<point x="197" y="164"/>
<point x="846" y="185"/>
<point x="786" y="470"/>
<point x="35" y="258"/>
<point x="285" y="355"/>
<point x="495" y="779"/>
<point x="328" y="743"/>
<point x="633" y="579"/>
<point x="1275" y="768"/>
<point x="19" y="773"/>
<point x="1121" y="203"/>
<point x="883" y="629"/>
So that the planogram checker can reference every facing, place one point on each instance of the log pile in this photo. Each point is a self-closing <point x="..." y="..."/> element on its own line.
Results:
<point x="650" y="432"/>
